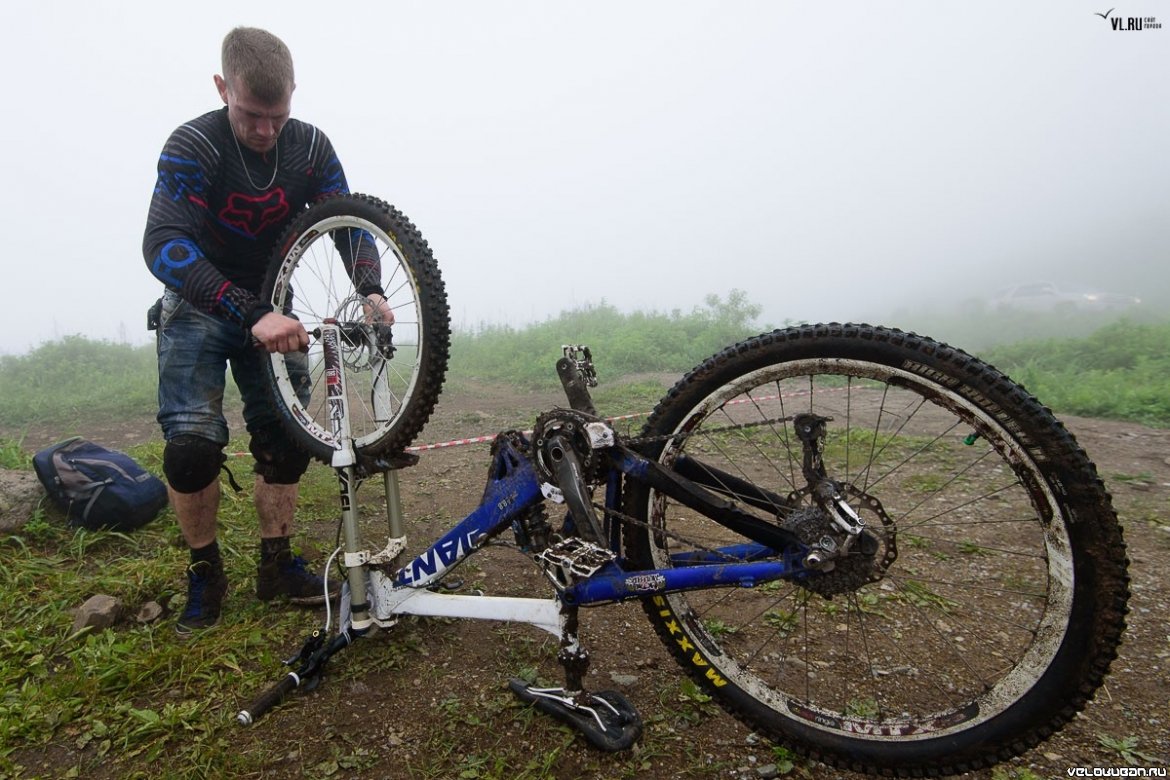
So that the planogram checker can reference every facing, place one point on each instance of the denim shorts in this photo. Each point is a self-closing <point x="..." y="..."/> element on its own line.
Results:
<point x="194" y="352"/>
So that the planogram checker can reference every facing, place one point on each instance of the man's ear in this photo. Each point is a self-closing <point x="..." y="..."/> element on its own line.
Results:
<point x="221" y="86"/>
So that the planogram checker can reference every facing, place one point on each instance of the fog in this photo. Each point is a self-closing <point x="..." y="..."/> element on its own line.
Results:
<point x="839" y="160"/>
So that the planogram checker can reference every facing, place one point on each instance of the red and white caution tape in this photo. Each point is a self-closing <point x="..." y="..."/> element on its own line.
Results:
<point x="453" y="443"/>
<point x="442" y="445"/>
<point x="480" y="439"/>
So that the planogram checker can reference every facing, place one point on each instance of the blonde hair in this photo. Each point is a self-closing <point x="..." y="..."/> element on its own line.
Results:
<point x="260" y="61"/>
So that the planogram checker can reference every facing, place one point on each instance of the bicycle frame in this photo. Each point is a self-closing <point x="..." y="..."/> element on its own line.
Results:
<point x="719" y="495"/>
<point x="514" y="488"/>
<point x="379" y="593"/>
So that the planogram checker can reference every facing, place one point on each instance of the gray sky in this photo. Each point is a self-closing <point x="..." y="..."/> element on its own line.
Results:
<point x="832" y="159"/>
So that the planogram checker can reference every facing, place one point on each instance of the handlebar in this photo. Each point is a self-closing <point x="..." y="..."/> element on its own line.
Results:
<point x="313" y="657"/>
<point x="269" y="699"/>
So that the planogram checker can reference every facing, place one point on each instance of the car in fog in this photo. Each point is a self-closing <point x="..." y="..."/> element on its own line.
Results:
<point x="1048" y="296"/>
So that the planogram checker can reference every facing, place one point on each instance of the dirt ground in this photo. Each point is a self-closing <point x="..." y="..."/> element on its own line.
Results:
<point x="412" y="690"/>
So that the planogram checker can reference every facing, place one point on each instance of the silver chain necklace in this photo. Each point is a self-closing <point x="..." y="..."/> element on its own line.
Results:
<point x="275" y="167"/>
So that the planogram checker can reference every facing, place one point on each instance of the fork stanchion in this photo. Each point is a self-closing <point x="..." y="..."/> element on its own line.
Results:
<point x="393" y="504"/>
<point x="347" y="484"/>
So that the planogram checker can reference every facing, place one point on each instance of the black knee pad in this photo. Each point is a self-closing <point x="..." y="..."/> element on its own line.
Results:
<point x="191" y="462"/>
<point x="278" y="460"/>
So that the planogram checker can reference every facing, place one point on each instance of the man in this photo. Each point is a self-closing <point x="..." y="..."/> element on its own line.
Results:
<point x="229" y="182"/>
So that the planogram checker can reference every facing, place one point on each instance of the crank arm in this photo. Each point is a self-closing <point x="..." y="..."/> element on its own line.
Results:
<point x="306" y="676"/>
<point x="571" y="481"/>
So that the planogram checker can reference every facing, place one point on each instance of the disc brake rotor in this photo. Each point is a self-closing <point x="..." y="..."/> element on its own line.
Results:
<point x="855" y="568"/>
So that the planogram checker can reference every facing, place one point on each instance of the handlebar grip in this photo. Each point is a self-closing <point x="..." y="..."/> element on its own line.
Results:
<point x="267" y="700"/>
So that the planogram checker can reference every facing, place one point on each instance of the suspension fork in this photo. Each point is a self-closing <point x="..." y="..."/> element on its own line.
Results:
<point x="345" y="464"/>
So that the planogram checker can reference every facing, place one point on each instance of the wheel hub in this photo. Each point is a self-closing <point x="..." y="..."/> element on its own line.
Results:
<point x="364" y="342"/>
<point x="862" y="563"/>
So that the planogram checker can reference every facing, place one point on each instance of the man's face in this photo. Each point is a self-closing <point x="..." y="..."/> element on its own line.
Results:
<point x="256" y="124"/>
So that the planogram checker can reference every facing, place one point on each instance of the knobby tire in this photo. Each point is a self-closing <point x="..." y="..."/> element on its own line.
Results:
<point x="389" y="398"/>
<point x="990" y="613"/>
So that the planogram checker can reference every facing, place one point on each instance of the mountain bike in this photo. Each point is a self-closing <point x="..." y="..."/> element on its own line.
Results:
<point x="871" y="547"/>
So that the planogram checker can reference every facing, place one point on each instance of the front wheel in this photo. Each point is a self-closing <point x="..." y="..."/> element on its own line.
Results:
<point x="329" y="264"/>
<point x="984" y="609"/>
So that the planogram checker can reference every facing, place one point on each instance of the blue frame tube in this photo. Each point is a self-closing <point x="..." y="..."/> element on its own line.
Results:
<point x="514" y="487"/>
<point x="616" y="584"/>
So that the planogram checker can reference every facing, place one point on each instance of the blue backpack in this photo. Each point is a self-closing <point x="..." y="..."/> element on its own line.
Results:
<point x="99" y="487"/>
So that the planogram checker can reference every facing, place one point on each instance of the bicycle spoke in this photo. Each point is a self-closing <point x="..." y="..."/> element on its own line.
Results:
<point x="844" y="644"/>
<point x="940" y="581"/>
<point x="391" y="379"/>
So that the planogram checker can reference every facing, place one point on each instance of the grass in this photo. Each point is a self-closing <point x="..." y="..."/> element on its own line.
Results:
<point x="137" y="694"/>
<point x="622" y="344"/>
<point x="1127" y="749"/>
<point x="137" y="702"/>
<point x="13" y="455"/>
<point x="921" y="596"/>
<point x="72" y="380"/>
<point x="1119" y="371"/>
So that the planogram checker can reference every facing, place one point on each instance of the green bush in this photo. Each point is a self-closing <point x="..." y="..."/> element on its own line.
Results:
<point x="623" y="344"/>
<point x="75" y="379"/>
<point x="1121" y="371"/>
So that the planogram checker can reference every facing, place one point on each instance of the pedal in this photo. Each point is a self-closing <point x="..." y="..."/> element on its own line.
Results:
<point x="582" y="359"/>
<point x="569" y="561"/>
<point x="607" y="718"/>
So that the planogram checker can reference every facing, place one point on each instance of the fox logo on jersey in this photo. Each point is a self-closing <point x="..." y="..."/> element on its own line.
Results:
<point x="252" y="215"/>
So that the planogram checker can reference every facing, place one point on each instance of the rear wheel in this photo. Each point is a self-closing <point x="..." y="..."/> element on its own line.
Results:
<point x="985" y="610"/>
<point x="393" y="373"/>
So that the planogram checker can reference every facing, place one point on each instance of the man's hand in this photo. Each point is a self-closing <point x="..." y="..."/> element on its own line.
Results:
<point x="379" y="310"/>
<point x="278" y="333"/>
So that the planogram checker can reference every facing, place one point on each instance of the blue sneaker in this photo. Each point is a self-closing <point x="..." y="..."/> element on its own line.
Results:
<point x="206" y="587"/>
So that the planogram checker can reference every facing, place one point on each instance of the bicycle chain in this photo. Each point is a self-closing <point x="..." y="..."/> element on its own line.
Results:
<point x="891" y="550"/>
<point x="655" y="530"/>
<point x="638" y="440"/>
<point x="890" y="556"/>
<point x="681" y="435"/>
